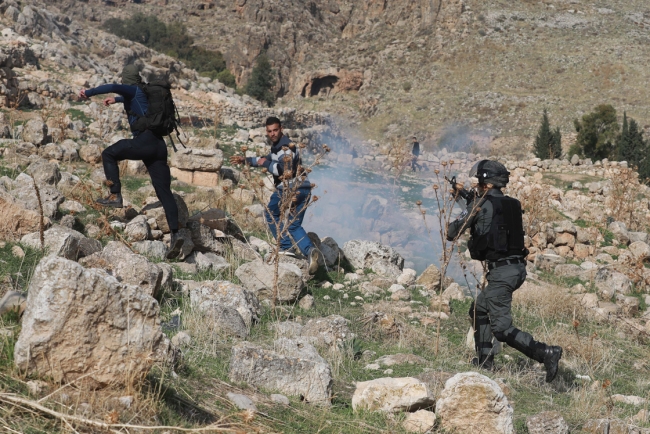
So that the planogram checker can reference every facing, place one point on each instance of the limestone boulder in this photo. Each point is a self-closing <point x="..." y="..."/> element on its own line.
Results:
<point x="23" y="192"/>
<point x="199" y="159"/>
<point x="548" y="261"/>
<point x="471" y="402"/>
<point x="609" y="283"/>
<point x="156" y="211"/>
<point x="548" y="422"/>
<point x="214" y="218"/>
<point x="59" y="241"/>
<point x="331" y="251"/>
<point x="381" y="259"/>
<point x="640" y="250"/>
<point x="44" y="172"/>
<point x="127" y="267"/>
<point x="35" y="131"/>
<point x="298" y="374"/>
<point x="84" y="323"/>
<point x="138" y="229"/>
<point x="619" y="229"/>
<point x="203" y="238"/>
<point x="328" y="332"/>
<point x="16" y="220"/>
<point x="151" y="249"/>
<point x="257" y="276"/>
<point x="223" y="293"/>
<point x="91" y="153"/>
<point x="392" y="395"/>
<point x="208" y="261"/>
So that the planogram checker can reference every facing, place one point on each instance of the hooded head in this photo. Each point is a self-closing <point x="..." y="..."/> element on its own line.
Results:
<point x="131" y="75"/>
<point x="490" y="172"/>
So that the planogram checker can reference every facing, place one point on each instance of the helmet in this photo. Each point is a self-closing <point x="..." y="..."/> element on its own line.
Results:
<point x="490" y="172"/>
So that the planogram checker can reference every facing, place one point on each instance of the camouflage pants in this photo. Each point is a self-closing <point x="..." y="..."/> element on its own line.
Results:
<point x="491" y="314"/>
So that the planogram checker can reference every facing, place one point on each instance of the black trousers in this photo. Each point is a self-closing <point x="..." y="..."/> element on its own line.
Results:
<point x="152" y="150"/>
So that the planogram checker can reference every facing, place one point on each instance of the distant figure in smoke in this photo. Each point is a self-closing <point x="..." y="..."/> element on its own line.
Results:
<point x="416" y="154"/>
<point x="276" y="163"/>
<point x="147" y="145"/>
<point x="497" y="237"/>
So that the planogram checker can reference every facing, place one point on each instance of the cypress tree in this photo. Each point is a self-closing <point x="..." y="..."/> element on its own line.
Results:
<point x="637" y="146"/>
<point x="556" y="143"/>
<point x="261" y="82"/>
<point x="623" y="140"/>
<point x="544" y="140"/>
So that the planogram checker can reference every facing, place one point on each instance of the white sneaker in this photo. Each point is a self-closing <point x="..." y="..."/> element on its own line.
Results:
<point x="288" y="253"/>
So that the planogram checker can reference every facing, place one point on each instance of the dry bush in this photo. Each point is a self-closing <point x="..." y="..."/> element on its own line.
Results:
<point x="622" y="202"/>
<point x="55" y="115"/>
<point x="536" y="202"/>
<point x="548" y="302"/>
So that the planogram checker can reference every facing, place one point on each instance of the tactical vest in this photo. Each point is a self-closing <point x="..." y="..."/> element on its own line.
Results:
<point x="506" y="235"/>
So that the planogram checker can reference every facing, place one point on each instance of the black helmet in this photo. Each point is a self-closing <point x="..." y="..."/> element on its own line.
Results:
<point x="490" y="172"/>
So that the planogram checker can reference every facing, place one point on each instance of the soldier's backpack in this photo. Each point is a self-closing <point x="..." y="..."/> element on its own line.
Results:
<point x="162" y="117"/>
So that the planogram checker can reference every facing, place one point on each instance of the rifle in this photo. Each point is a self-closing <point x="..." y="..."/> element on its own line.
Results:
<point x="460" y="191"/>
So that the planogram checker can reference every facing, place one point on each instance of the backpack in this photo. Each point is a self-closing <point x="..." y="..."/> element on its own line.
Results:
<point x="162" y="117"/>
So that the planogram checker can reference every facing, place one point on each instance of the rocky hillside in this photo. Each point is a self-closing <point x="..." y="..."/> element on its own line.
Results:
<point x="404" y="67"/>
<point x="99" y="332"/>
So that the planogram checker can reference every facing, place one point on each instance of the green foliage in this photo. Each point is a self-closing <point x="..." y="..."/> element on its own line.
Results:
<point x="261" y="82"/>
<point x="631" y="146"/>
<point x="227" y="78"/>
<point x="548" y="143"/>
<point x="171" y="39"/>
<point x="597" y="133"/>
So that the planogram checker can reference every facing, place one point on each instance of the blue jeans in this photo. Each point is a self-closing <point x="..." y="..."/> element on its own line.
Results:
<point x="295" y="230"/>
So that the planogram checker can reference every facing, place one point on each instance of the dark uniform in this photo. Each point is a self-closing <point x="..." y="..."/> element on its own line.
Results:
<point x="497" y="237"/>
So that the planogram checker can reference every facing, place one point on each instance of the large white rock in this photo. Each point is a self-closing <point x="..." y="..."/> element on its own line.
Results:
<point x="81" y="322"/>
<point x="296" y="373"/>
<point x="62" y="241"/>
<point x="640" y="250"/>
<point x="548" y="422"/>
<point x="127" y="266"/>
<point x="381" y="259"/>
<point x="392" y="394"/>
<point x="201" y="159"/>
<point x="257" y="276"/>
<point x="421" y="421"/>
<point x="471" y="402"/>
<point x="223" y="293"/>
<point x="330" y="331"/>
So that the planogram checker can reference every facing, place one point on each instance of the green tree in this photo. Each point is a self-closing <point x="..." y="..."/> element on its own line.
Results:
<point x="227" y="78"/>
<point x="556" y="143"/>
<point x="623" y="143"/>
<point x="261" y="82"/>
<point x="544" y="138"/>
<point x="548" y="143"/>
<point x="597" y="133"/>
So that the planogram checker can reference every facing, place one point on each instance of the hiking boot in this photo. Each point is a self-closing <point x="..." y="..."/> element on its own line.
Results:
<point x="552" y="357"/>
<point x="484" y="362"/>
<point x="113" y="200"/>
<point x="175" y="246"/>
<point x="314" y="255"/>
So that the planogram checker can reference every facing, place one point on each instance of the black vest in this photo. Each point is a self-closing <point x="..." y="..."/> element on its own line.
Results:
<point x="506" y="235"/>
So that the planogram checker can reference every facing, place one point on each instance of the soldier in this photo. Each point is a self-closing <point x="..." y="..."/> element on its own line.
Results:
<point x="497" y="237"/>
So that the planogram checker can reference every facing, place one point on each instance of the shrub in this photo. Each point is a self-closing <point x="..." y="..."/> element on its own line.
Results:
<point x="261" y="82"/>
<point x="597" y="133"/>
<point x="548" y="143"/>
<point x="227" y="78"/>
<point x="170" y="39"/>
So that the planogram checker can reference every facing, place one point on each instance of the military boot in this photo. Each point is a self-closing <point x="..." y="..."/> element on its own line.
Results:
<point x="552" y="355"/>
<point x="484" y="362"/>
<point x="175" y="246"/>
<point x="113" y="200"/>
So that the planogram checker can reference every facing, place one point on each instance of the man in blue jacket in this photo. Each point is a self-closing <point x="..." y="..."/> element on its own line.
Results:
<point x="283" y="162"/>
<point x="145" y="145"/>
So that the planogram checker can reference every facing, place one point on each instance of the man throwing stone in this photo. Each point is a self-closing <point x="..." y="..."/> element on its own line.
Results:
<point x="285" y="157"/>
<point x="146" y="145"/>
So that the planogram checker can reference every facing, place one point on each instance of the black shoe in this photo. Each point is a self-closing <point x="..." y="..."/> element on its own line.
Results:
<point x="113" y="200"/>
<point x="551" y="361"/>
<point x="175" y="246"/>
<point x="485" y="362"/>
<point x="314" y="255"/>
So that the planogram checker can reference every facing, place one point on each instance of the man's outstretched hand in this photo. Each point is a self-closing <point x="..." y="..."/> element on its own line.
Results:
<point x="108" y="101"/>
<point x="82" y="94"/>
<point x="237" y="159"/>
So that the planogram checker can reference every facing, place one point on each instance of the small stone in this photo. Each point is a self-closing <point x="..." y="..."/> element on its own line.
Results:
<point x="352" y="277"/>
<point x="326" y="285"/>
<point x="359" y="298"/>
<point x="36" y="387"/>
<point x="372" y="367"/>
<point x="307" y="302"/>
<point x="338" y="286"/>
<point x="126" y="401"/>
<point x="17" y="252"/>
<point x="327" y="297"/>
<point x="181" y="339"/>
<point x="395" y="287"/>
<point x="388" y="372"/>
<point x="280" y="399"/>
<point x="345" y="295"/>
<point x="421" y="421"/>
<point x="242" y="402"/>
<point x="353" y="304"/>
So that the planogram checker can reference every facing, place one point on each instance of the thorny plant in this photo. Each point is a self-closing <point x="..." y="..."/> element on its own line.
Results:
<point x="622" y="203"/>
<point x="400" y="157"/>
<point x="55" y="114"/>
<point x="445" y="204"/>
<point x="290" y="186"/>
